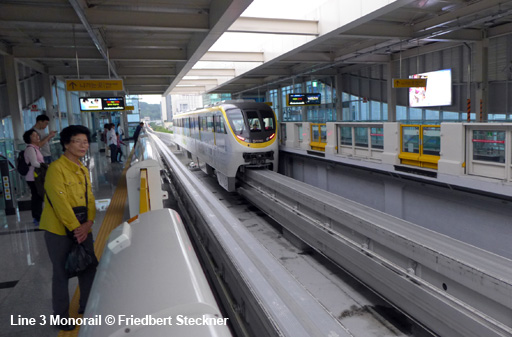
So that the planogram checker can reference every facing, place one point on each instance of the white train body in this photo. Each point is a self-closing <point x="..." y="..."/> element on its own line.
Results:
<point x="229" y="137"/>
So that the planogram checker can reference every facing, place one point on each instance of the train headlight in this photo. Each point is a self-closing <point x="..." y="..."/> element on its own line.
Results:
<point x="241" y="138"/>
<point x="271" y="136"/>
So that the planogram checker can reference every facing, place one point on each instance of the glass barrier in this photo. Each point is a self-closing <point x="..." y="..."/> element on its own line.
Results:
<point x="377" y="138"/>
<point x="411" y="139"/>
<point x="431" y="140"/>
<point x="361" y="136"/>
<point x="346" y="135"/>
<point x="489" y="146"/>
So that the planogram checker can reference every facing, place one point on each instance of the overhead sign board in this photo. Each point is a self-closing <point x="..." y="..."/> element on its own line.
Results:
<point x="129" y="107"/>
<point x="94" y="85"/>
<point x="409" y="82"/>
<point x="304" y="99"/>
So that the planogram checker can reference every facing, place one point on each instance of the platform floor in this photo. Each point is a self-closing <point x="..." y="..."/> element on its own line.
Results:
<point x="25" y="268"/>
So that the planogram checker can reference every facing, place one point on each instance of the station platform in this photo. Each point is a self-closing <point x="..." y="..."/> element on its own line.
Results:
<point x="25" y="283"/>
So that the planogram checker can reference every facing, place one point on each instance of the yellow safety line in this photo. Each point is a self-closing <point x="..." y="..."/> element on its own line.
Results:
<point x="113" y="218"/>
<point x="144" y="205"/>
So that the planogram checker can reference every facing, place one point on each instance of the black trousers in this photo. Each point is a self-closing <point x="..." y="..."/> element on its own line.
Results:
<point x="36" y="202"/>
<point x="58" y="247"/>
<point x="113" y="153"/>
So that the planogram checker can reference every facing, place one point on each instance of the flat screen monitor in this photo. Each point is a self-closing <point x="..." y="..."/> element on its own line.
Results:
<point x="438" y="91"/>
<point x="91" y="104"/>
<point x="304" y="99"/>
<point x="113" y="103"/>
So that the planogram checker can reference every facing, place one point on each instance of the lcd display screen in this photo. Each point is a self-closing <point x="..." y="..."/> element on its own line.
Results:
<point x="91" y="104"/>
<point x="438" y="91"/>
<point x="115" y="103"/>
<point x="304" y="99"/>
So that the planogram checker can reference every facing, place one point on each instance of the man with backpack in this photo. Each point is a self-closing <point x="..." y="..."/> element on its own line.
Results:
<point x="40" y="127"/>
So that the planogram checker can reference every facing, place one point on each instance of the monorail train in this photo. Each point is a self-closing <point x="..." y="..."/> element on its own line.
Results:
<point x="227" y="138"/>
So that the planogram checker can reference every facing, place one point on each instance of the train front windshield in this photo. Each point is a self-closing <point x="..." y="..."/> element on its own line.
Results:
<point x="252" y="126"/>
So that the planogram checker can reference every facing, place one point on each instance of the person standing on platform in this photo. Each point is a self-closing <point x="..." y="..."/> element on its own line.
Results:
<point x="34" y="158"/>
<point x="120" y="131"/>
<point x="119" y="148"/>
<point x="44" y="144"/>
<point x="112" y="142"/>
<point x="137" y="132"/>
<point x="68" y="186"/>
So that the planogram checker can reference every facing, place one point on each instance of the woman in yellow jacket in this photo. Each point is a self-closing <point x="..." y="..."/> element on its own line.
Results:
<point x="67" y="182"/>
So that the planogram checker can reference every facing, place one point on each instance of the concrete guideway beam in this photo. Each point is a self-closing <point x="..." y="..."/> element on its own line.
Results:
<point x="452" y="288"/>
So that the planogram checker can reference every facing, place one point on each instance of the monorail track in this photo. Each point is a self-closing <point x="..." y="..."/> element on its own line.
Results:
<point x="323" y="300"/>
<point x="453" y="288"/>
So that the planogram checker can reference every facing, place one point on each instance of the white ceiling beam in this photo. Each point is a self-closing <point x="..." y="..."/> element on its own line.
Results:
<point x="157" y="88"/>
<point x="274" y="26"/>
<point x="188" y="90"/>
<point x="212" y="72"/>
<point x="201" y="81"/>
<point x="226" y="56"/>
<point x="147" y="81"/>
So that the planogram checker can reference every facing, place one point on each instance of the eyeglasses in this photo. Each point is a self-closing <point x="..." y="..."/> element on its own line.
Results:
<point x="82" y="142"/>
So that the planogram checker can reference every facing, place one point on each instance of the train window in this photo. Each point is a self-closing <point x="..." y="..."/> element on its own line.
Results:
<point x="219" y="124"/>
<point x="268" y="123"/>
<point x="209" y="123"/>
<point x="202" y="121"/>
<point x="253" y="120"/>
<point x="236" y="119"/>
<point x="255" y="124"/>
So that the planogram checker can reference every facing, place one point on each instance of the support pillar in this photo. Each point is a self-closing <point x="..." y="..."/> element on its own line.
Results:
<point x="338" y="80"/>
<point x="13" y="98"/>
<point x="391" y="92"/>
<point x="69" y="107"/>
<point x="481" y="71"/>
<point x="48" y="97"/>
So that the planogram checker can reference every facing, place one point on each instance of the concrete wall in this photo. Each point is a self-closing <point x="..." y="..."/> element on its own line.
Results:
<point x="479" y="220"/>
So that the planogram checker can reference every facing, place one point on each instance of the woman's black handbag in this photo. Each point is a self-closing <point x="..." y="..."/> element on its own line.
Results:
<point x="79" y="259"/>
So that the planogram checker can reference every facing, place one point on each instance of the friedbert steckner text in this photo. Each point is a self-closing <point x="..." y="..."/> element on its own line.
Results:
<point x="178" y="320"/>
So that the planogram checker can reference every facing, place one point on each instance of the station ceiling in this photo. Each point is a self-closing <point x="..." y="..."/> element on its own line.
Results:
<point x="156" y="45"/>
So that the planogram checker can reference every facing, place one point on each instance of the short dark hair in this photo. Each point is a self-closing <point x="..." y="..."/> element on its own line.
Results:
<point x="26" y="136"/>
<point x="42" y="118"/>
<point x="73" y="130"/>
